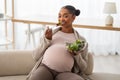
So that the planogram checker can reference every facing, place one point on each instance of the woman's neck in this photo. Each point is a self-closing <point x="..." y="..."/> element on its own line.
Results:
<point x="67" y="30"/>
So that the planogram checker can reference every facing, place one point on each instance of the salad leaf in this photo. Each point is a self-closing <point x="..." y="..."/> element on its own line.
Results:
<point x="75" y="46"/>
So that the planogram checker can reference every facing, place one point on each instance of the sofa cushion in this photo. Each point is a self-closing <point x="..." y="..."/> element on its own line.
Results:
<point x="105" y="76"/>
<point x="15" y="62"/>
<point x="21" y="77"/>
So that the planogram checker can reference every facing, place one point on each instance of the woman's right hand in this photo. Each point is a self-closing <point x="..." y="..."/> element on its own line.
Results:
<point x="48" y="33"/>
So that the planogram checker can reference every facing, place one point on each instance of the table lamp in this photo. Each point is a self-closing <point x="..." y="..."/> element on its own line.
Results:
<point x="109" y="8"/>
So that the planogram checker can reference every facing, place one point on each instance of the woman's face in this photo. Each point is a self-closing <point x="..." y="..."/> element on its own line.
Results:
<point x="65" y="18"/>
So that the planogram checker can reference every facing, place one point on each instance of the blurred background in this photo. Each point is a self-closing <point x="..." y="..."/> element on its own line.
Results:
<point x="101" y="42"/>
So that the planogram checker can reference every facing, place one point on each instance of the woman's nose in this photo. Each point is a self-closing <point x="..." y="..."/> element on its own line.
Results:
<point x="61" y="19"/>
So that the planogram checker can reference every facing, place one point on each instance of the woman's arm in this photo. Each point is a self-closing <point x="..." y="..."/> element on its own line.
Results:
<point x="81" y="58"/>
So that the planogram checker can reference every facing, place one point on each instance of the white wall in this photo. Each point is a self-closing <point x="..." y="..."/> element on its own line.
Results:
<point x="91" y="12"/>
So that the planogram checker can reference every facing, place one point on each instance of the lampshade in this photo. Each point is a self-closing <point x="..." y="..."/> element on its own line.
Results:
<point x="110" y="8"/>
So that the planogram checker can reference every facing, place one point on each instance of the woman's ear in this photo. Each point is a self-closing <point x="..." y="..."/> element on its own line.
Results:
<point x="74" y="17"/>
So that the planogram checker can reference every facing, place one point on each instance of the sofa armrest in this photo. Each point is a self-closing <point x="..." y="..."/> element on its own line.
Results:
<point x="15" y="62"/>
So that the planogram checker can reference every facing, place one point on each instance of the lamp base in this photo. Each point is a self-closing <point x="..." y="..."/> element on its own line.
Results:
<point x="109" y="25"/>
<point x="109" y="20"/>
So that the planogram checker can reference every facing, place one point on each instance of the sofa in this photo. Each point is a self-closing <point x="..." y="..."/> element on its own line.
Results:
<point x="16" y="64"/>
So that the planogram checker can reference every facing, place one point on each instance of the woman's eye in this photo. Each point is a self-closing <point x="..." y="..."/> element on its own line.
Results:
<point x="65" y="16"/>
<point x="59" y="16"/>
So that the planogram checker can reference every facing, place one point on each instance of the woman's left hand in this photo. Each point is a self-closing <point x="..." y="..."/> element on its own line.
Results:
<point x="75" y="52"/>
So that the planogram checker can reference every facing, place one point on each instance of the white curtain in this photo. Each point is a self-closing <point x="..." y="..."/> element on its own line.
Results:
<point x="100" y="42"/>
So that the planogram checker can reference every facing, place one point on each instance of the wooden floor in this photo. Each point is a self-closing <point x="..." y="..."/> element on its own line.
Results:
<point x="107" y="64"/>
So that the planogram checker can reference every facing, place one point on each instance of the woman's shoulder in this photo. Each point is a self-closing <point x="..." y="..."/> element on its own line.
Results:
<point x="78" y="35"/>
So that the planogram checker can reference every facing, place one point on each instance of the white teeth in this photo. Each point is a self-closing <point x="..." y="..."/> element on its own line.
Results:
<point x="62" y="22"/>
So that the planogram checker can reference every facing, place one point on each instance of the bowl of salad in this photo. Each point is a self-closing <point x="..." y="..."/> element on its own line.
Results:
<point x="76" y="46"/>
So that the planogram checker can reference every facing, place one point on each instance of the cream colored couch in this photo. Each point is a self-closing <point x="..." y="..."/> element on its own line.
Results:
<point x="15" y="65"/>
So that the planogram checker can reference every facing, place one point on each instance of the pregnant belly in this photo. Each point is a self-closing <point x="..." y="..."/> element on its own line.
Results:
<point x="57" y="58"/>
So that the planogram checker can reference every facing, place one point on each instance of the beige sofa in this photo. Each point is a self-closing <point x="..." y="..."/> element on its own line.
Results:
<point x="15" y="65"/>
